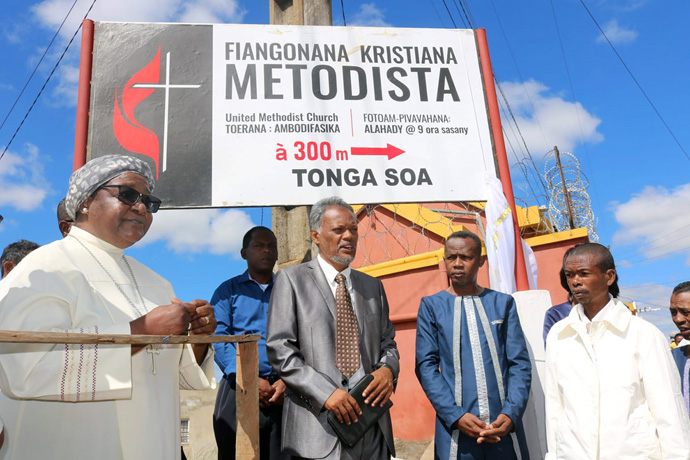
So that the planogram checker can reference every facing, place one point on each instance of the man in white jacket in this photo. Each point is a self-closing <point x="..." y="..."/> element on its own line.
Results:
<point x="612" y="390"/>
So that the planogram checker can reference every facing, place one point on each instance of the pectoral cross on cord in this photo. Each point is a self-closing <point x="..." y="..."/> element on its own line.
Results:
<point x="152" y="350"/>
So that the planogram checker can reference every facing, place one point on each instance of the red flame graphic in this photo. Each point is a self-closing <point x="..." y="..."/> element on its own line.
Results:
<point x="131" y="134"/>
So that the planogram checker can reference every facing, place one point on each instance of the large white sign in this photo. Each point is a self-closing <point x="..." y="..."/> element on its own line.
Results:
<point x="298" y="112"/>
<point x="370" y="114"/>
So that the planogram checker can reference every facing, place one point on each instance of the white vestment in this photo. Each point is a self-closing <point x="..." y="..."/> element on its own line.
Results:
<point x="89" y="401"/>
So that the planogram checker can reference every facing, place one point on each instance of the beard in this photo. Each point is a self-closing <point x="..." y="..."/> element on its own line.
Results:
<point x="343" y="260"/>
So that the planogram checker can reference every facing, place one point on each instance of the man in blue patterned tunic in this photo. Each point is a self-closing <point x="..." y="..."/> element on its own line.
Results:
<point x="472" y="361"/>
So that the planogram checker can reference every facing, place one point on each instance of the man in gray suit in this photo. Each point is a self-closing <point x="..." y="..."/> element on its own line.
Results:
<point x="308" y="348"/>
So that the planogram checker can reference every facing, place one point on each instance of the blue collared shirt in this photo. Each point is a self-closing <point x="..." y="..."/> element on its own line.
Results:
<point x="241" y="307"/>
<point x="554" y="315"/>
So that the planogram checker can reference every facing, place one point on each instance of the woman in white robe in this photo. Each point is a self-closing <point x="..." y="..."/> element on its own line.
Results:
<point x="98" y="401"/>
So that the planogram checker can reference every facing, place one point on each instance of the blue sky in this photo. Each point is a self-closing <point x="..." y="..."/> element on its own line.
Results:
<point x="564" y="83"/>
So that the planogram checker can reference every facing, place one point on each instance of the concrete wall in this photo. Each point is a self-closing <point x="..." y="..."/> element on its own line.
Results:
<point x="197" y="406"/>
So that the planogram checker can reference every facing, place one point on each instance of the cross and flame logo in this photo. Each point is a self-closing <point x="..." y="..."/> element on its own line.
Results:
<point x="129" y="132"/>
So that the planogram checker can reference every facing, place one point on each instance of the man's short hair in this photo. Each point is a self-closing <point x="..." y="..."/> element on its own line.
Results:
<point x="605" y="260"/>
<point x="15" y="252"/>
<point x="319" y="208"/>
<point x="250" y="234"/>
<point x="464" y="234"/>
<point x="681" y="288"/>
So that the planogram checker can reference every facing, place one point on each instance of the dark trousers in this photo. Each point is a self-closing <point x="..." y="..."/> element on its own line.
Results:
<point x="225" y="426"/>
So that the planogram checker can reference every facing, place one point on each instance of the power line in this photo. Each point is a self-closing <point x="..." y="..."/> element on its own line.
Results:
<point x="466" y="21"/>
<point x="528" y="162"/>
<point x="630" y="286"/>
<point x="647" y="302"/>
<point x="37" y="65"/>
<point x="657" y="256"/>
<point x="636" y="82"/>
<point x="522" y="80"/>
<point x="673" y="241"/>
<point x="437" y="14"/>
<point x="577" y="111"/>
<point x="529" y="157"/>
<point x="40" y="92"/>
<point x="662" y="237"/>
<point x="342" y="8"/>
<point x="468" y="13"/>
<point x="534" y="110"/>
<point x="451" y="16"/>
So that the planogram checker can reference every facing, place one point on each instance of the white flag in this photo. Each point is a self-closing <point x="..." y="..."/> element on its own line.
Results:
<point x="500" y="241"/>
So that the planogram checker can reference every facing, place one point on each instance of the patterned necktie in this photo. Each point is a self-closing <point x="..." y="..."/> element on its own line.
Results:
<point x="346" y="332"/>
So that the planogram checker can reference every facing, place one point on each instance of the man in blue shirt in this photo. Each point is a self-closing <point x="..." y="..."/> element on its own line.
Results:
<point x="241" y="307"/>
<point x="560" y="311"/>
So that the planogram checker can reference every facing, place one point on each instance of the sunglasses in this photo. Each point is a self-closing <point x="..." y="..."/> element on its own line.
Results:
<point x="129" y="196"/>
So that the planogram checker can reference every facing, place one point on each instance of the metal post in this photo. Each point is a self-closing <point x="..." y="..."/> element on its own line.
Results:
<point x="566" y="194"/>
<point x="84" y="93"/>
<point x="521" y="279"/>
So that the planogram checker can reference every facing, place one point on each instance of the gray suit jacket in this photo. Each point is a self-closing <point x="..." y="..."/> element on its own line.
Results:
<point x="301" y="348"/>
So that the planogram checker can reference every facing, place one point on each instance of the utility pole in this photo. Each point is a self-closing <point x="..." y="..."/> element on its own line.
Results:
<point x="566" y="193"/>
<point x="291" y="225"/>
<point x="301" y="12"/>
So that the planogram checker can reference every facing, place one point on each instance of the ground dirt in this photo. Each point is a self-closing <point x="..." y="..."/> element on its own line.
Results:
<point x="410" y="450"/>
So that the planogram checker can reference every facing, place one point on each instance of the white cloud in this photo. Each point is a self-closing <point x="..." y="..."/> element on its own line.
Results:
<point x="211" y="11"/>
<point x="50" y="14"/>
<point x="649" y="294"/>
<point x="369" y="15"/>
<point x="200" y="230"/>
<point x="654" y="297"/>
<point x="15" y="32"/>
<point x="65" y="92"/>
<point x="656" y="219"/>
<point x="23" y="185"/>
<point x="623" y="5"/>
<point x="546" y="119"/>
<point x="617" y="34"/>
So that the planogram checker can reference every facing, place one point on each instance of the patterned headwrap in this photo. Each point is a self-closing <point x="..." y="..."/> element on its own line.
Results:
<point x="86" y="180"/>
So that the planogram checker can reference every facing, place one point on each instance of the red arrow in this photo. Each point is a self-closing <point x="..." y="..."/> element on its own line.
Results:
<point x="389" y="150"/>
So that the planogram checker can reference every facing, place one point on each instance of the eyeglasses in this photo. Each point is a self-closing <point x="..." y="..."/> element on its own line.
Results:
<point x="129" y="196"/>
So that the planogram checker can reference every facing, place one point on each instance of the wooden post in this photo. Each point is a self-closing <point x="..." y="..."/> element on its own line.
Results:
<point x="247" y="398"/>
<point x="301" y="12"/>
<point x="118" y="339"/>
<point x="291" y="225"/>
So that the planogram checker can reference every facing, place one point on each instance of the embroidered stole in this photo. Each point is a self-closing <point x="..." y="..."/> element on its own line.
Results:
<point x="472" y="307"/>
